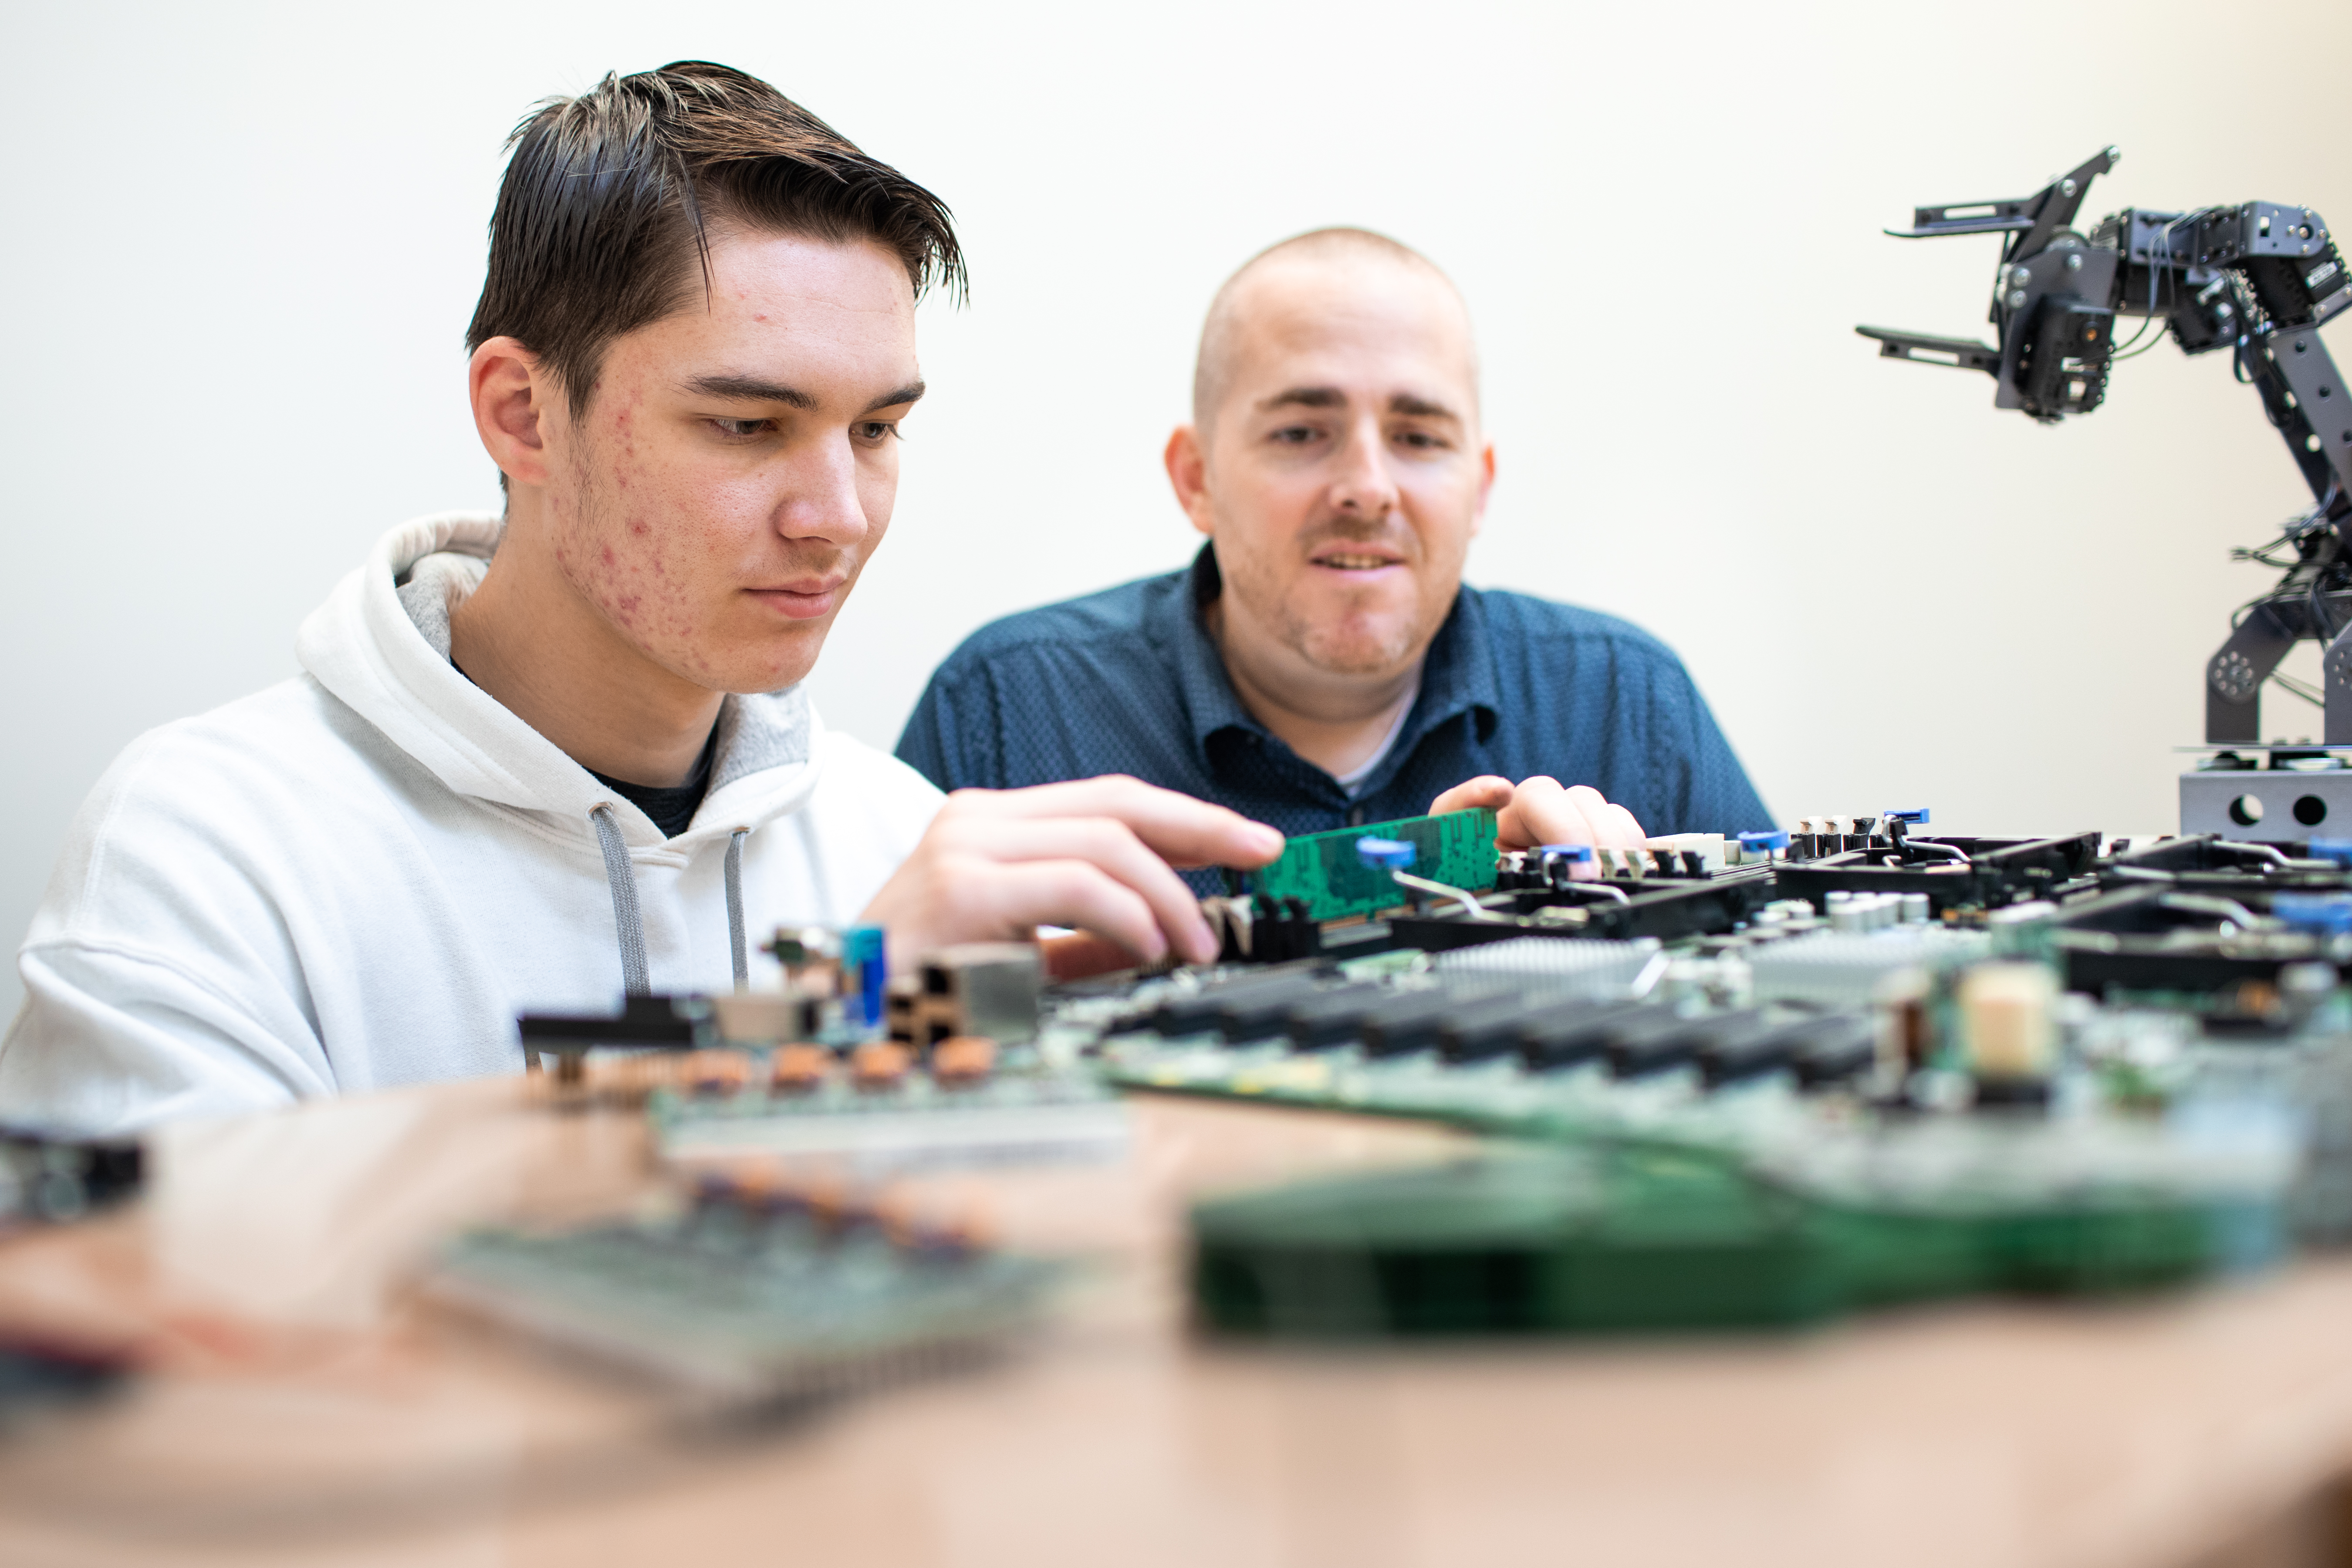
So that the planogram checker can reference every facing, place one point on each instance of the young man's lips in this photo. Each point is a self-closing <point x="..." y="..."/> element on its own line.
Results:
<point x="802" y="604"/>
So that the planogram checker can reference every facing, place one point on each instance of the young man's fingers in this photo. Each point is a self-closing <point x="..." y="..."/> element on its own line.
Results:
<point x="1184" y="831"/>
<point x="1490" y="790"/>
<point x="1111" y="847"/>
<point x="1075" y="893"/>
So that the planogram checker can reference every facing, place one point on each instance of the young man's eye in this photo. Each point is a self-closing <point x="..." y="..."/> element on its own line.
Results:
<point x="873" y="432"/>
<point x="742" y="430"/>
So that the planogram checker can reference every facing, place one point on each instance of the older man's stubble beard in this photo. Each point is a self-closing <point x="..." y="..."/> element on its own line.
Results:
<point x="1352" y="642"/>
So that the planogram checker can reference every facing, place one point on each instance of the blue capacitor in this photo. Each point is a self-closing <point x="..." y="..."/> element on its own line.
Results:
<point x="2319" y="914"/>
<point x="864" y="970"/>
<point x="1385" y="854"/>
<point x="2336" y="849"/>
<point x="1776" y="840"/>
<point x="1916" y="816"/>
<point x="1566" y="851"/>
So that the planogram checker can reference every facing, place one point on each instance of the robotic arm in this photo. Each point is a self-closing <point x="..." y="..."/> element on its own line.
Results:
<point x="2259" y="280"/>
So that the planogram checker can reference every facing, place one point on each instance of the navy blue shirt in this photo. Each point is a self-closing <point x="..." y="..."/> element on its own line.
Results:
<point x="1128" y="681"/>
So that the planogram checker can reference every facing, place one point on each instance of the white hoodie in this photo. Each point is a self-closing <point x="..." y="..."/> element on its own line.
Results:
<point x="357" y="878"/>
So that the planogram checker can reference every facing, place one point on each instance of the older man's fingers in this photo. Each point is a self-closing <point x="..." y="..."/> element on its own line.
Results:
<point x="1542" y="812"/>
<point x="1613" y="827"/>
<point x="1489" y="790"/>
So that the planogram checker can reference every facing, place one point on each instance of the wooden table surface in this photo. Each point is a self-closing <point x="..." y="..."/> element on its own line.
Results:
<point x="308" y="1406"/>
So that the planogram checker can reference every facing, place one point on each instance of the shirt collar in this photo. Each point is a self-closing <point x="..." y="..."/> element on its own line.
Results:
<point x="1457" y="675"/>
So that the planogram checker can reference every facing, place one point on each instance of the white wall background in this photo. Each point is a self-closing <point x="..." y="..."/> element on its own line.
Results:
<point x="244" y="241"/>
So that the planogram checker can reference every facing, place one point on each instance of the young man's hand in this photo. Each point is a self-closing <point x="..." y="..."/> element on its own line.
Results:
<point x="1538" y="811"/>
<point x="1094" y="854"/>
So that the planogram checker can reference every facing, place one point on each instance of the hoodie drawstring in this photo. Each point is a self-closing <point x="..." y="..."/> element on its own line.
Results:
<point x="627" y="921"/>
<point x="735" y="908"/>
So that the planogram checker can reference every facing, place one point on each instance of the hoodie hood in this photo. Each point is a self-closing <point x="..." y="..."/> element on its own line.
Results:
<point x="381" y="644"/>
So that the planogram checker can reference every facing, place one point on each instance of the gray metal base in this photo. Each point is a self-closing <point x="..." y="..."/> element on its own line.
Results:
<point x="2273" y="805"/>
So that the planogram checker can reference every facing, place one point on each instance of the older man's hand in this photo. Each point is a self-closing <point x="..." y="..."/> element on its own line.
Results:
<point x="1541" y="810"/>
<point x="1094" y="854"/>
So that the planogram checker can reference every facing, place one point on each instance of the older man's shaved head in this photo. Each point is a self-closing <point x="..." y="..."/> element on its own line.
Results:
<point x="1328" y="269"/>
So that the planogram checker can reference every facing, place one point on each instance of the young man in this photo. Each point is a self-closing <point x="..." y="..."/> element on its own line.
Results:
<point x="1321" y="662"/>
<point x="532" y="761"/>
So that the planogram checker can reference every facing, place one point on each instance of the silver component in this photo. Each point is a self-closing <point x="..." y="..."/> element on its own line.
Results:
<point x="2254" y="804"/>
<point x="2017" y="301"/>
<point x="2065" y="187"/>
<point x="1469" y="902"/>
<point x="2074" y="263"/>
<point x="1573" y="964"/>
<point x="986" y="988"/>
<point x="1844" y="967"/>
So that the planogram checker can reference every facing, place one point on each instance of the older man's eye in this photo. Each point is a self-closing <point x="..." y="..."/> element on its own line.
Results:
<point x="1294" y="435"/>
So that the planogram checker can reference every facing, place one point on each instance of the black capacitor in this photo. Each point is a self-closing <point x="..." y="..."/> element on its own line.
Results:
<point x="1497" y="1027"/>
<point x="1333" y="1018"/>
<point x="1490" y="1028"/>
<point x="1742" y="1045"/>
<point x="1565" y="1040"/>
<point x="1639" y="1047"/>
<point x="1834" y="1049"/>
<point x="1413" y="1021"/>
<point x="1192" y="1014"/>
<point x="1261" y="1015"/>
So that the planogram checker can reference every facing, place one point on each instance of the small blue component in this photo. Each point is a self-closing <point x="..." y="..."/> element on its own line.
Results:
<point x="1776" y="840"/>
<point x="2319" y="914"/>
<point x="865" y="968"/>
<point x="1566" y="851"/>
<point x="2336" y="849"/>
<point x="1388" y="854"/>
<point x="1916" y="816"/>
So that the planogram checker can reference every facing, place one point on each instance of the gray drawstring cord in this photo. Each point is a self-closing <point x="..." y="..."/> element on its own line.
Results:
<point x="735" y="908"/>
<point x="627" y="921"/>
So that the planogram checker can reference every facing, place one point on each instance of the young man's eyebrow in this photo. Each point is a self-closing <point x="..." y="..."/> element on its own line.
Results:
<point x="1419" y="407"/>
<point x="750" y="389"/>
<point x="1305" y="397"/>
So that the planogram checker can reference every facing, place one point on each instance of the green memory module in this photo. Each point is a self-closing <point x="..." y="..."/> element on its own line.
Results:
<point x="1323" y="868"/>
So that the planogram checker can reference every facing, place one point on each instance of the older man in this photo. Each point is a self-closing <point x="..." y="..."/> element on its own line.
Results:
<point x="1321" y="663"/>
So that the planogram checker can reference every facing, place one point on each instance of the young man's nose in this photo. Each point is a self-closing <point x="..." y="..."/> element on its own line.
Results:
<point x="821" y="499"/>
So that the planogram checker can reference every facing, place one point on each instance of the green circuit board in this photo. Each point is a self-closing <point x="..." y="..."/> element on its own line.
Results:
<point x="1458" y="849"/>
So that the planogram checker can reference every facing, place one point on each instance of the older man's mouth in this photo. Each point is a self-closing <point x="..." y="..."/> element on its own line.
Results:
<point x="1356" y="561"/>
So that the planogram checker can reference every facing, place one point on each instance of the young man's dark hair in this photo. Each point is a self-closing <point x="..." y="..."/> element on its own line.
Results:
<point x="604" y="216"/>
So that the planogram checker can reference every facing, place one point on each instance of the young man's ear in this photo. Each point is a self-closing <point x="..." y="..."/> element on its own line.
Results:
<point x="1187" y="471"/>
<point x="510" y="394"/>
